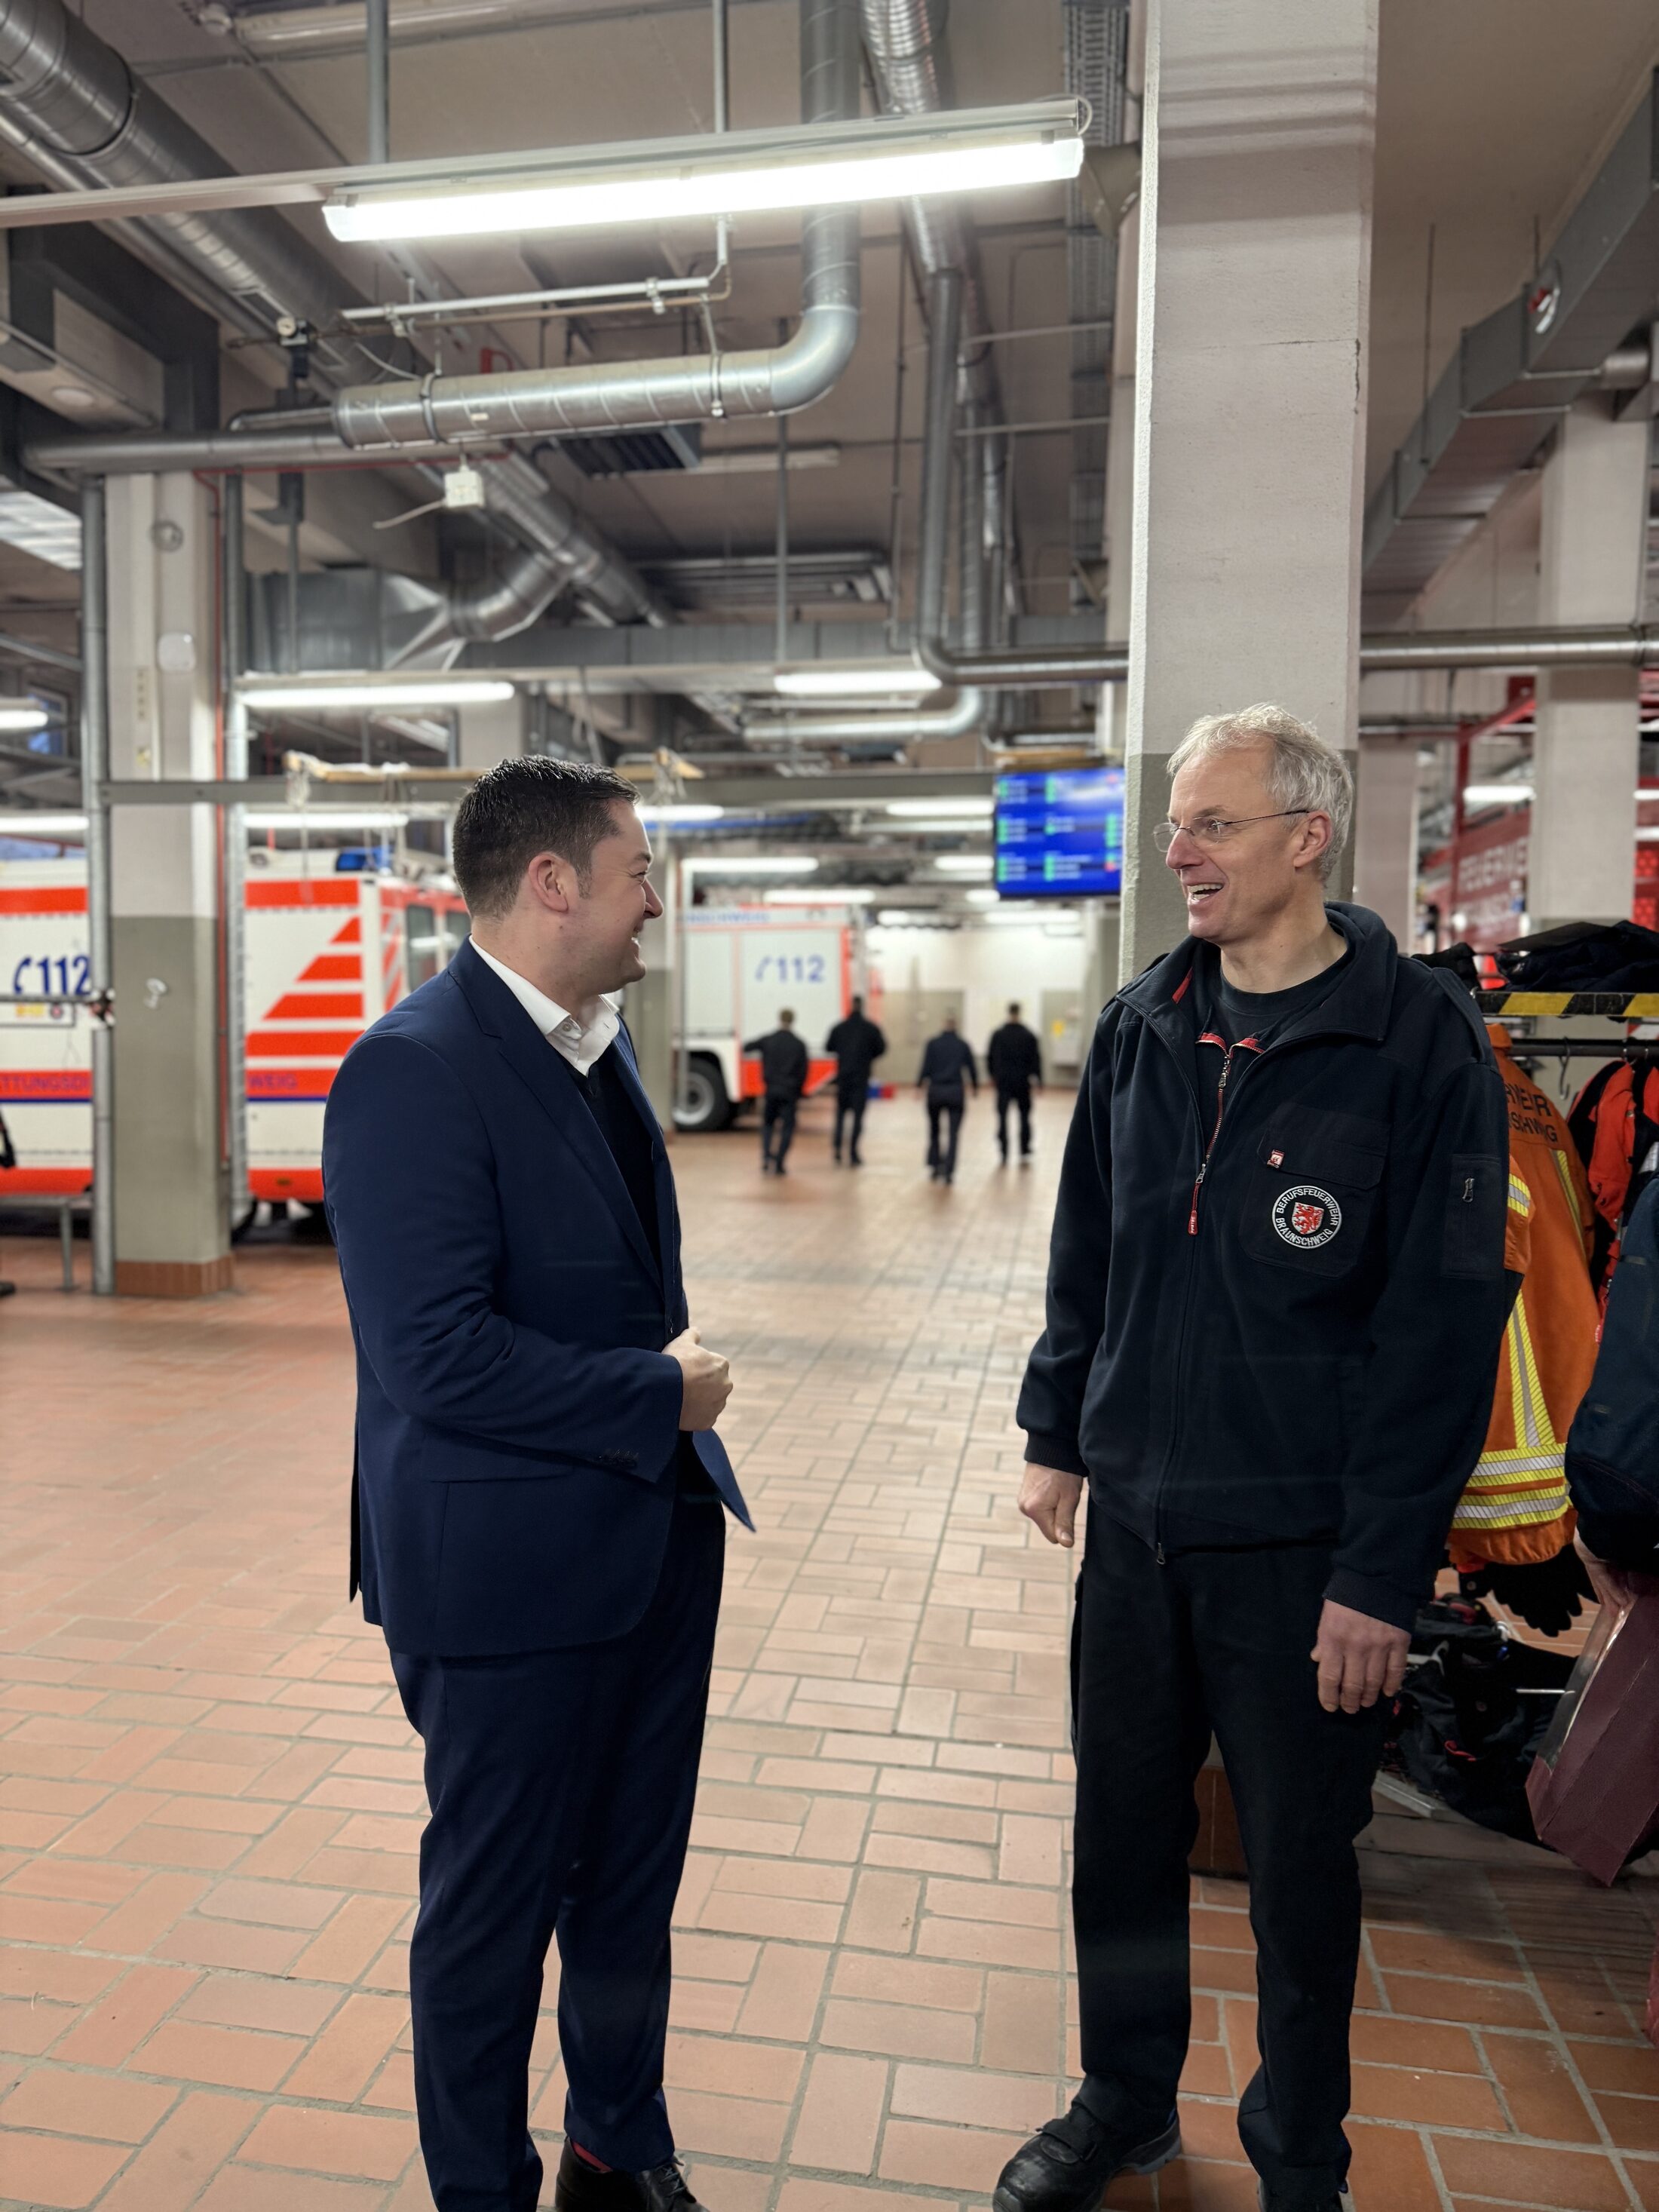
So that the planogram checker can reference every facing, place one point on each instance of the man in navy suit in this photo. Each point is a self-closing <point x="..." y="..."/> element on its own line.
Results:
<point x="539" y="1501"/>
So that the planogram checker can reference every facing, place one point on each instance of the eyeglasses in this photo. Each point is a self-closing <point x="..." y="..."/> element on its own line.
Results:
<point x="1211" y="832"/>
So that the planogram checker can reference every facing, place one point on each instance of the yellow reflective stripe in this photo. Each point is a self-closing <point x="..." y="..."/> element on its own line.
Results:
<point x="1517" y="1474"/>
<point x="1520" y="1196"/>
<point x="1575" y="1204"/>
<point x="1531" y="1413"/>
<point x="1475" y="1513"/>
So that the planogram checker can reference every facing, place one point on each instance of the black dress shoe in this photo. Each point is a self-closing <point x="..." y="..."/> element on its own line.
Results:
<point x="1068" y="2166"/>
<point x="583" y="2187"/>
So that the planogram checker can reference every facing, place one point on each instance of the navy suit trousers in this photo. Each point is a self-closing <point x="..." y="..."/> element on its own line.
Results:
<point x="561" y="1786"/>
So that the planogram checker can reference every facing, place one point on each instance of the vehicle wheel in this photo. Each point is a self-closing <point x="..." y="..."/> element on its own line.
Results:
<point x="705" y="1105"/>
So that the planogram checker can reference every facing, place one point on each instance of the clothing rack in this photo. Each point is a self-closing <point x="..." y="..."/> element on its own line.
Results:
<point x="1643" y="1050"/>
<point x="1616" y="1005"/>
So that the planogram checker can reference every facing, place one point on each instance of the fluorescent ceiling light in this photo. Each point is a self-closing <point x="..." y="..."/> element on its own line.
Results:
<point x="845" y="895"/>
<point x="361" y="692"/>
<point x="23" y="717"/>
<point x="762" y="460"/>
<point x="674" y="815"/>
<point x="836" y="169"/>
<point x="952" y="826"/>
<point x="966" y="810"/>
<point x="43" y="825"/>
<point x="964" y="864"/>
<point x="757" y="864"/>
<point x="982" y="898"/>
<point x="332" y="817"/>
<point x="854" y="683"/>
<point x="35" y="525"/>
<point x="1498" y="794"/>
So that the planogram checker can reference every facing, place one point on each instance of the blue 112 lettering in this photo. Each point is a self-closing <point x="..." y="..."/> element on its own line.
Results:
<point x="790" y="967"/>
<point x="66" y="973"/>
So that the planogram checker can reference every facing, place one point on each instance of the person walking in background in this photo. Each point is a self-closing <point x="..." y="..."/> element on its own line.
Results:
<point x="857" y="1044"/>
<point x="1276" y="1296"/>
<point x="783" y="1074"/>
<point x="539" y="1496"/>
<point x="945" y="1062"/>
<point x="1014" y="1060"/>
<point x="8" y="1159"/>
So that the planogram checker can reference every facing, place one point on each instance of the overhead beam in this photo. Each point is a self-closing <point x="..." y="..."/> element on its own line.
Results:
<point x="743" y="794"/>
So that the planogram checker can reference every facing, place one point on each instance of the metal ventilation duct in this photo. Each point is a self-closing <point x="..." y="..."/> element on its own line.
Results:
<point x="912" y="68"/>
<point x="72" y="106"/>
<point x="1515" y="373"/>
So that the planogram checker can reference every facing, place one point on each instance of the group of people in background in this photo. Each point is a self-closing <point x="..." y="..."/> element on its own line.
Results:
<point x="1013" y="1062"/>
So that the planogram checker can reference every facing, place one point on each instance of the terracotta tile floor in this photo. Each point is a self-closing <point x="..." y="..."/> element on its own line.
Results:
<point x="210" y="1802"/>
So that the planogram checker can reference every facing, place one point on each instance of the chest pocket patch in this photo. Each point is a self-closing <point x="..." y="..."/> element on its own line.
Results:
<point x="1311" y="1190"/>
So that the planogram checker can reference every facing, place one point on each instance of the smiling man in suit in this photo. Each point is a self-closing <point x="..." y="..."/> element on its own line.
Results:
<point x="540" y="1497"/>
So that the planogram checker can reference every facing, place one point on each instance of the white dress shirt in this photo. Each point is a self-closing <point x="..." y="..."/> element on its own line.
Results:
<point x="580" y="1041"/>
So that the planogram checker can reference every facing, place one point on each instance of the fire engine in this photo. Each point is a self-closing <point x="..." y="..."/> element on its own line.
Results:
<point x="328" y="950"/>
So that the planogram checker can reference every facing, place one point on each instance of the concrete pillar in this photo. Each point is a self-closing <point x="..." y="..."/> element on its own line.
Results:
<point x="1255" y="218"/>
<point x="1119" y="547"/>
<point x="1385" y="836"/>
<point x="172" y="1225"/>
<point x="1100" y="958"/>
<point x="1592" y="553"/>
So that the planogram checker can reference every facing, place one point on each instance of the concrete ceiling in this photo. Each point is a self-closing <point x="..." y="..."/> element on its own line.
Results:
<point x="1492" y="115"/>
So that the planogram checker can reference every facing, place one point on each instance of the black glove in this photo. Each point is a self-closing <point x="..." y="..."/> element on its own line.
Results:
<point x="1547" y="1596"/>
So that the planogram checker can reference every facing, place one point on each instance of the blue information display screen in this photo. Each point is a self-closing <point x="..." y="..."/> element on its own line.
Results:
<point x="1059" y="835"/>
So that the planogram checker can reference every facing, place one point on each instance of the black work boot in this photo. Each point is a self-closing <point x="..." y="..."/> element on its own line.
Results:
<point x="584" y="2186"/>
<point x="1337" y="2201"/>
<point x="1070" y="2163"/>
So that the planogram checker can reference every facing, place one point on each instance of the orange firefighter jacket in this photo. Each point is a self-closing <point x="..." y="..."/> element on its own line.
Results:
<point x="1515" y="1510"/>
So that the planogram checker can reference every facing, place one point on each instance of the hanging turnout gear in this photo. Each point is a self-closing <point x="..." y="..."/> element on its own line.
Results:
<point x="1515" y="1510"/>
<point x="1614" y="1123"/>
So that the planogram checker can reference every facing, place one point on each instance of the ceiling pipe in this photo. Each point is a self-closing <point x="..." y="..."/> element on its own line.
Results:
<point x="688" y="388"/>
<point x="957" y="721"/>
<point x="1628" y="646"/>
<point x="71" y="105"/>
<point x="912" y="65"/>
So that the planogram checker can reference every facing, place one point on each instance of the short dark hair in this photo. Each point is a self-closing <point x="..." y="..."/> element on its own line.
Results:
<point x="522" y="807"/>
<point x="1013" y="1006"/>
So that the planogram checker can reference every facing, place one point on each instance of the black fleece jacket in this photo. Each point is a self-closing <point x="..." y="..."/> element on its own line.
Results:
<point x="1274" y="1310"/>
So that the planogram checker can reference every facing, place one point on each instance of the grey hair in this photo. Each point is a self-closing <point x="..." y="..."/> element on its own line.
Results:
<point x="1303" y="770"/>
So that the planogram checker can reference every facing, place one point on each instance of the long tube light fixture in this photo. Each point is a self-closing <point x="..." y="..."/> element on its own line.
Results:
<point x="23" y="719"/>
<point x="359" y="691"/>
<point x="42" y="824"/>
<point x="969" y="810"/>
<point x="739" y="173"/>
<point x="869" y="682"/>
<point x="756" y="864"/>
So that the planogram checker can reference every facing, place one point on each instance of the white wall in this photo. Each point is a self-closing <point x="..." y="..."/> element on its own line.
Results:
<point x="990" y="962"/>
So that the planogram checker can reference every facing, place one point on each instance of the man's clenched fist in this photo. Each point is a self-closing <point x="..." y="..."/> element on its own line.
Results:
<point x="1051" y="1499"/>
<point x="706" y="1381"/>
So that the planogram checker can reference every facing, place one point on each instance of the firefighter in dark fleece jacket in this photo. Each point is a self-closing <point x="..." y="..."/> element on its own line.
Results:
<point x="1276" y="1294"/>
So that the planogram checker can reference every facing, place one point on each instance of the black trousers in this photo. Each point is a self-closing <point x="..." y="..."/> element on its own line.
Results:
<point x="777" y="1127"/>
<point x="1162" y="1656"/>
<point x="851" y="1099"/>
<point x="946" y="1113"/>
<point x="1019" y="1095"/>
<point x="561" y="1784"/>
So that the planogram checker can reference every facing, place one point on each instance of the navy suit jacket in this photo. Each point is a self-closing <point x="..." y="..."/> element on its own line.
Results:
<point x="517" y="1425"/>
